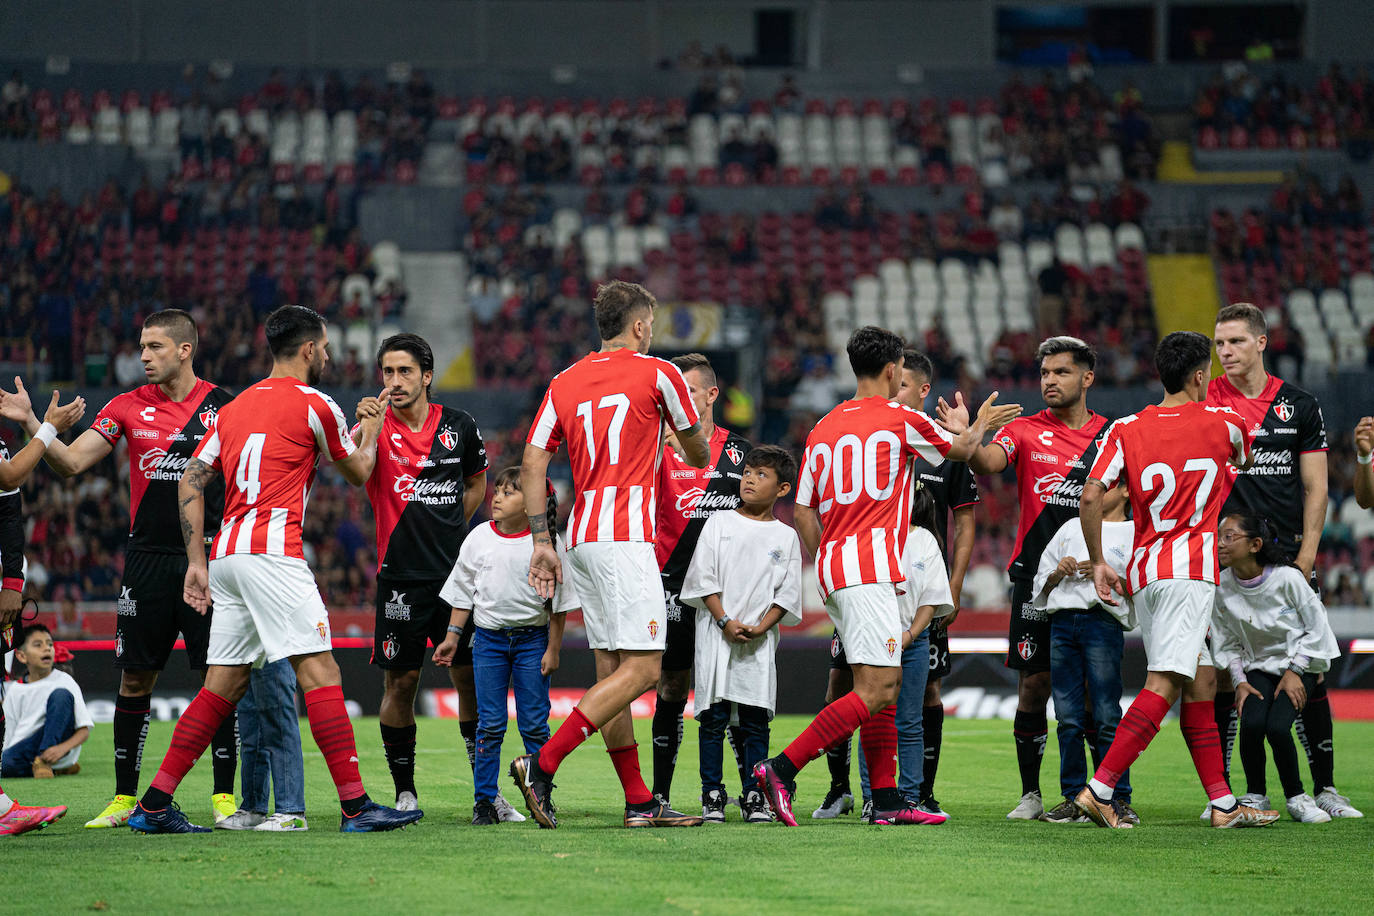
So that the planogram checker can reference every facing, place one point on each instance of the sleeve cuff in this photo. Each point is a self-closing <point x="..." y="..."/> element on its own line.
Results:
<point x="1238" y="673"/>
<point x="12" y="585"/>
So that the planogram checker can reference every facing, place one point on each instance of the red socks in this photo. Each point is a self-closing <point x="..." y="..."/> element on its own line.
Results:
<point x="1204" y="743"/>
<point x="190" y="738"/>
<point x="333" y="734"/>
<point x="879" y="739"/>
<point x="832" y="725"/>
<point x="1138" y="728"/>
<point x="626" y="762"/>
<point x="574" y="730"/>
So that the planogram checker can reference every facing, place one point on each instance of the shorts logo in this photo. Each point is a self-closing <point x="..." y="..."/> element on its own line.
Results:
<point x="390" y="647"/>
<point x="734" y="454"/>
<point x="323" y="630"/>
<point x="397" y="608"/>
<point x="672" y="609"/>
<point x="108" y="427"/>
<point x="653" y="629"/>
<point x="119" y="644"/>
<point x="1025" y="648"/>
<point x="447" y="439"/>
<point x="835" y="646"/>
<point x="891" y="647"/>
<point x="126" y="605"/>
<point x="1283" y="410"/>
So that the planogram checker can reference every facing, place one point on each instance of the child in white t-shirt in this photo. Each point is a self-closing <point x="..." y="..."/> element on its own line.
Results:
<point x="518" y="635"/>
<point x="1270" y="631"/>
<point x="45" y="714"/>
<point x="744" y="580"/>
<point x="1086" y="643"/>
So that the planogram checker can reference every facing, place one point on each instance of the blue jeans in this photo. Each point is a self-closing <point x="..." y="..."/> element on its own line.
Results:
<point x="753" y="726"/>
<point x="502" y="659"/>
<point x="59" y="722"/>
<point x="911" y="731"/>
<point x="270" y="741"/>
<point x="1085" y="649"/>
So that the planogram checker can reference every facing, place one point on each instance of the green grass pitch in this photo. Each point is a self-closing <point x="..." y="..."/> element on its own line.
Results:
<point x="978" y="862"/>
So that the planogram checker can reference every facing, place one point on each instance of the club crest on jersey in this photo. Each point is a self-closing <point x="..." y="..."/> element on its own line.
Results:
<point x="891" y="647"/>
<point x="390" y="647"/>
<point x="108" y="427"/>
<point x="323" y="629"/>
<point x="447" y="438"/>
<point x="207" y="417"/>
<point x="734" y="454"/>
<point x="1283" y="410"/>
<point x="653" y="629"/>
<point x="1025" y="648"/>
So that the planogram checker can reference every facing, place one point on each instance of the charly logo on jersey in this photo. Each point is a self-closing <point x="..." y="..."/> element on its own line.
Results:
<point x="1283" y="410"/>
<point x="700" y="503"/>
<point x="1046" y="438"/>
<point x="397" y="608"/>
<point x="160" y="464"/>
<point x="126" y="605"/>
<point x="207" y="417"/>
<point x="427" y="492"/>
<point x="448" y="438"/>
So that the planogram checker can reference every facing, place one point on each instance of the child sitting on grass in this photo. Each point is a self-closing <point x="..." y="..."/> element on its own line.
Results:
<point x="744" y="580"/>
<point x="45" y="715"/>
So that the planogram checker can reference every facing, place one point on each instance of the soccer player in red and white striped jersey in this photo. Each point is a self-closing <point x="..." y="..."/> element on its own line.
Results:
<point x="1173" y="457"/>
<point x="853" y="505"/>
<point x="610" y="407"/>
<point x="267" y="443"/>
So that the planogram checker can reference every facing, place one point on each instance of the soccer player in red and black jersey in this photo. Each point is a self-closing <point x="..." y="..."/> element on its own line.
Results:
<point x="14" y="817"/>
<point x="687" y="497"/>
<point x="162" y="422"/>
<point x="1050" y="452"/>
<point x="1287" y="485"/>
<point x="430" y="477"/>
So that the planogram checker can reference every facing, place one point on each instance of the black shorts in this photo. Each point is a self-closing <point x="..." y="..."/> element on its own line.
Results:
<point x="410" y="617"/>
<point x="680" y="641"/>
<point x="150" y="614"/>
<point x="939" y="654"/>
<point x="1028" y="637"/>
<point x="837" y="660"/>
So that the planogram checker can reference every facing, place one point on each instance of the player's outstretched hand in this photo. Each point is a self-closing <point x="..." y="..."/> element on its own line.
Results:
<point x="1364" y="434"/>
<point x="994" y="416"/>
<point x="1245" y="689"/>
<point x="15" y="405"/>
<point x="546" y="573"/>
<point x="1106" y="581"/>
<point x="444" y="652"/>
<point x="67" y="414"/>
<point x="196" y="589"/>
<point x="1291" y="686"/>
<point x="954" y="418"/>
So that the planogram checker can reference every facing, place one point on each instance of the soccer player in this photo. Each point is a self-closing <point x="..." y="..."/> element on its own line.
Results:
<point x="162" y="422"/>
<point x="610" y="406"/>
<point x="852" y="514"/>
<point x="954" y="488"/>
<point x="1050" y="452"/>
<point x="1287" y="485"/>
<point x="14" y="817"/>
<point x="267" y="444"/>
<point x="430" y="477"/>
<point x="1173" y="457"/>
<point x="687" y="497"/>
<point x="1364" y="462"/>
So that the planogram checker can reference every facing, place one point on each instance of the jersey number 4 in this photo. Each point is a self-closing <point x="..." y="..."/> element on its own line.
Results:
<point x="250" y="466"/>
<point x="1168" y="485"/>
<point x="620" y="404"/>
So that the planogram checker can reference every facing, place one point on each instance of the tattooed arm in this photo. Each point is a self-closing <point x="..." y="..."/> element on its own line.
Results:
<point x="191" y="509"/>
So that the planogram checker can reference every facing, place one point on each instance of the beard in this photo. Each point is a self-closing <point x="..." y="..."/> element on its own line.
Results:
<point x="315" y="371"/>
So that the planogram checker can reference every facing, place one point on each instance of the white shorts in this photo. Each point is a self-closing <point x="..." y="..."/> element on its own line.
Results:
<point x="623" y="605"/>
<point x="1175" y="615"/>
<point x="869" y="620"/>
<point x="266" y="608"/>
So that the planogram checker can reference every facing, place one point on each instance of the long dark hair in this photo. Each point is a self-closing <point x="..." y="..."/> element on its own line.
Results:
<point x="1271" y="552"/>
<point x="511" y="477"/>
<point x="923" y="512"/>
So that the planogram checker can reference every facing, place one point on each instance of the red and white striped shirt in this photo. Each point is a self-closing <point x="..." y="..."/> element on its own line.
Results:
<point x="857" y="475"/>
<point x="1174" y="461"/>
<point x="610" y="407"/>
<point x="267" y="443"/>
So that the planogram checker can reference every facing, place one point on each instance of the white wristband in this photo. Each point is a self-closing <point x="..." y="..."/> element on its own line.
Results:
<point x="1364" y="459"/>
<point x="46" y="434"/>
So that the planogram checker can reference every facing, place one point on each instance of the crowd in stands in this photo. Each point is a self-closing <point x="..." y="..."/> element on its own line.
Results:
<point x="1240" y="108"/>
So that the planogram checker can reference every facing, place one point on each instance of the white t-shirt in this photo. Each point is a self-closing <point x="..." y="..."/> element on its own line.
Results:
<point x="26" y="710"/>
<point x="491" y="577"/>
<point x="927" y="582"/>
<point x="752" y="565"/>
<point x="1268" y="624"/>
<point x="1078" y="592"/>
